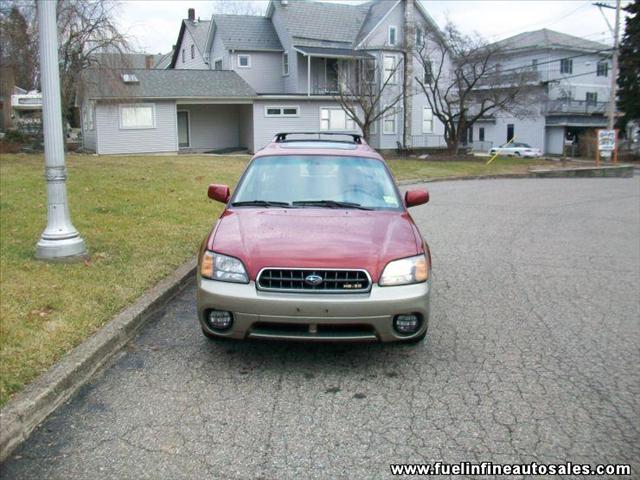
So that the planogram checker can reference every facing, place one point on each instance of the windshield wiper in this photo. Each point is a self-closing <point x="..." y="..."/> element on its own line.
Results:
<point x="261" y="203"/>
<point x="331" y="204"/>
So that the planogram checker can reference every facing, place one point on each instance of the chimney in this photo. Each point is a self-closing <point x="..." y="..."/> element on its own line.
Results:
<point x="148" y="62"/>
<point x="191" y="14"/>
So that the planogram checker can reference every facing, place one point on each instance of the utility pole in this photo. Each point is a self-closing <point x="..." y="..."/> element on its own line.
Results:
<point x="59" y="241"/>
<point x="615" y="31"/>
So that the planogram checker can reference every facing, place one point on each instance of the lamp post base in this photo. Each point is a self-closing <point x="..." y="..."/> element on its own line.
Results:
<point x="63" y="250"/>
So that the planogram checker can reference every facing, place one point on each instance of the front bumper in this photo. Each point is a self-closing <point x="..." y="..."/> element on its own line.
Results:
<point x="315" y="317"/>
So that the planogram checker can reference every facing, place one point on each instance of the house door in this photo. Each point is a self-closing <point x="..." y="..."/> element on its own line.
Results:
<point x="509" y="132"/>
<point x="184" y="136"/>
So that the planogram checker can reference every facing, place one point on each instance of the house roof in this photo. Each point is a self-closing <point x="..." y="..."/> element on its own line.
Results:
<point x="164" y="61"/>
<point x="545" y="38"/>
<point x="247" y="32"/>
<point x="376" y="12"/>
<point x="164" y="84"/>
<point x="330" y="22"/>
<point x="199" y="31"/>
<point x="126" y="60"/>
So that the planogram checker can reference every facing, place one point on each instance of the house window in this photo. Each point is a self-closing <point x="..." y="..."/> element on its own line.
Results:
<point x="281" y="111"/>
<point x="603" y="69"/>
<point x="534" y="64"/>
<point x="419" y="37"/>
<point x="481" y="134"/>
<point x="217" y="64"/>
<point x="183" y="56"/>
<point x="566" y="65"/>
<point x="428" y="72"/>
<point x="591" y="97"/>
<point x="244" y="61"/>
<point x="390" y="69"/>
<point x="89" y="115"/>
<point x="427" y="120"/>
<point x="137" y="116"/>
<point x="193" y="52"/>
<point x="389" y="122"/>
<point x="369" y="69"/>
<point x="335" y="119"/>
<point x="285" y="63"/>
<point x="393" y="35"/>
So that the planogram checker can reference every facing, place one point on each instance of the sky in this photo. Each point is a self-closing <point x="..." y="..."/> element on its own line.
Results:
<point x="154" y="25"/>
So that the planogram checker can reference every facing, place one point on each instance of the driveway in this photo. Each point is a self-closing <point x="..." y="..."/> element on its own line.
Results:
<point x="532" y="355"/>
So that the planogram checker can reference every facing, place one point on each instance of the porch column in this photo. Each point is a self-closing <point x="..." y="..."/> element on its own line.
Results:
<point x="308" y="75"/>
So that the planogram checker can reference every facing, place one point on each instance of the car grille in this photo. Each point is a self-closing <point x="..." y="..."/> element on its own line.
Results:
<point x="294" y="280"/>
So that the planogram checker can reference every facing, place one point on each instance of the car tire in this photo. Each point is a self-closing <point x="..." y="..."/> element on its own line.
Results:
<point x="492" y="152"/>
<point x="518" y="154"/>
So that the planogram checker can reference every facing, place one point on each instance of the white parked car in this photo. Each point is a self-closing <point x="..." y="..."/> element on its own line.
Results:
<point x="516" y="149"/>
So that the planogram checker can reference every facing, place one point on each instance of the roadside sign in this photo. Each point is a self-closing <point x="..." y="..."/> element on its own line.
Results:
<point x="607" y="145"/>
<point x="606" y="140"/>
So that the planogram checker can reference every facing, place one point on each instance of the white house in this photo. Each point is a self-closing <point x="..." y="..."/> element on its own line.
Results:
<point x="574" y="77"/>
<point x="234" y="81"/>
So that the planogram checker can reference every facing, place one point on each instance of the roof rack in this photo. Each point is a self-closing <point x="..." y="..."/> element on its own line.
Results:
<point x="282" y="136"/>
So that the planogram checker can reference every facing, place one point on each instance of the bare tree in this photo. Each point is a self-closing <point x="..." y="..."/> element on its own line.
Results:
<point x="86" y="29"/>
<point x="365" y="95"/>
<point x="463" y="82"/>
<point x="238" y="7"/>
<point x="17" y="50"/>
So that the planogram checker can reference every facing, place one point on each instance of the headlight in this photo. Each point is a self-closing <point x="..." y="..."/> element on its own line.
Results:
<point x="405" y="271"/>
<point x="221" y="267"/>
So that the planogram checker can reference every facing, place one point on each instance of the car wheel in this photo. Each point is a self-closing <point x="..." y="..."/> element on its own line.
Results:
<point x="518" y="154"/>
<point x="492" y="152"/>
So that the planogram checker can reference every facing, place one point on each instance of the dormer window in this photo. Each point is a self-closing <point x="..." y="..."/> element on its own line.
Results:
<point x="285" y="63"/>
<point x="393" y="35"/>
<point x="193" y="52"/>
<point x="419" y="37"/>
<point x="183" y="56"/>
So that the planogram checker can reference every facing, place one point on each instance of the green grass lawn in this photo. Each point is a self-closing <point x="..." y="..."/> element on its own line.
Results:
<point x="407" y="169"/>
<point x="140" y="216"/>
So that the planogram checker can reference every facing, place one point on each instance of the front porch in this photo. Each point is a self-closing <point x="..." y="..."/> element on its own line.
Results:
<point x="214" y="127"/>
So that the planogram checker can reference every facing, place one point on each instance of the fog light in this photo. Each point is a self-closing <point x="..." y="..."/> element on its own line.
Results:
<point x="406" y="324"/>
<point x="219" y="319"/>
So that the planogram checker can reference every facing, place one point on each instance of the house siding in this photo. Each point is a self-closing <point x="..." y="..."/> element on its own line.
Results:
<point x="290" y="82"/>
<point x="265" y="73"/>
<point x="308" y="119"/>
<point x="218" y="50"/>
<point x="113" y="140"/>
<point x="197" y="62"/>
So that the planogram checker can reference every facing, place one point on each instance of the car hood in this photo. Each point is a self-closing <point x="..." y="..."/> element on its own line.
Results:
<point x="315" y="238"/>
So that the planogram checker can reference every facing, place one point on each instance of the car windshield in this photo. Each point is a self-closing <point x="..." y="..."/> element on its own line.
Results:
<point x="317" y="181"/>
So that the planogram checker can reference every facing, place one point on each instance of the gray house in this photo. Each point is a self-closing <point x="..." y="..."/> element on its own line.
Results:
<point x="234" y="81"/>
<point x="574" y="78"/>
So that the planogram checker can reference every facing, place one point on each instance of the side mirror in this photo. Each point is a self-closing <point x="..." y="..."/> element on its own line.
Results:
<point x="220" y="193"/>
<point x="416" y="197"/>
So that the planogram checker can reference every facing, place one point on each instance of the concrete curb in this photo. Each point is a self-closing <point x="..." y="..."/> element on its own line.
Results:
<point x="622" y="171"/>
<point x="21" y="415"/>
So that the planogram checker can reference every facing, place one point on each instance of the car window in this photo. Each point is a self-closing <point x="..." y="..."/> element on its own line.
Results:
<point x="525" y="145"/>
<point x="300" y="178"/>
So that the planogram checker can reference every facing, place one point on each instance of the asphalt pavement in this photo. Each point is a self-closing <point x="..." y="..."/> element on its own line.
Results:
<point x="533" y="354"/>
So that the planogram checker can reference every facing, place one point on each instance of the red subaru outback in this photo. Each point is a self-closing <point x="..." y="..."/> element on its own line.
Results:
<point x="315" y="244"/>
